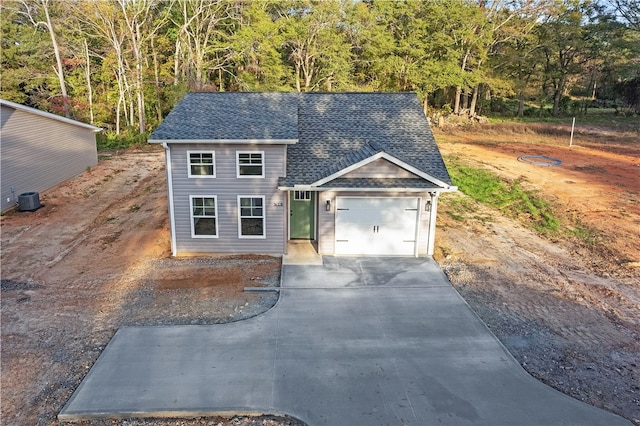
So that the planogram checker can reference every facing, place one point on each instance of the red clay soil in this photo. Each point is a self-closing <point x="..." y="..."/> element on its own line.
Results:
<point x="567" y="308"/>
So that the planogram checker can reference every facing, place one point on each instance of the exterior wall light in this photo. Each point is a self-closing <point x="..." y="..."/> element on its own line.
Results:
<point x="427" y="206"/>
<point x="327" y="205"/>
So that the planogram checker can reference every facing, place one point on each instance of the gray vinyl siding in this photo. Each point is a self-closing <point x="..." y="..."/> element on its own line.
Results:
<point x="326" y="220"/>
<point x="380" y="168"/>
<point x="39" y="152"/>
<point x="226" y="187"/>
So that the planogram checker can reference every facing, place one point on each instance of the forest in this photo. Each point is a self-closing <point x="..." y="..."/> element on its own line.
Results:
<point x="123" y="64"/>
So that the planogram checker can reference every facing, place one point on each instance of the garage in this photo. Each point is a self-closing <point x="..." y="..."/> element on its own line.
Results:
<point x="376" y="226"/>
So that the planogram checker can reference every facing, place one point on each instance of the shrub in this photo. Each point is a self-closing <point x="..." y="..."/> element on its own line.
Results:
<point x="110" y="140"/>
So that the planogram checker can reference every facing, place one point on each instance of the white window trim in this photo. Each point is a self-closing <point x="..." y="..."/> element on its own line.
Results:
<point x="304" y="195"/>
<point x="213" y="154"/>
<point x="239" y="176"/>
<point x="264" y="218"/>
<point x="215" y="205"/>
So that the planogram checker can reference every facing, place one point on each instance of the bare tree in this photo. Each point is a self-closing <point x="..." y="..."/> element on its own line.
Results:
<point x="33" y="10"/>
<point x="201" y="26"/>
<point x="142" y="22"/>
<point x="630" y="12"/>
<point x="87" y="74"/>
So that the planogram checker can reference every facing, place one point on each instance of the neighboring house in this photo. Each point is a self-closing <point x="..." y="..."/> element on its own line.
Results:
<point x="360" y="173"/>
<point x="38" y="150"/>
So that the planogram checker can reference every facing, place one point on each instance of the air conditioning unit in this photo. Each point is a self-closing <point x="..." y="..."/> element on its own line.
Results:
<point x="29" y="201"/>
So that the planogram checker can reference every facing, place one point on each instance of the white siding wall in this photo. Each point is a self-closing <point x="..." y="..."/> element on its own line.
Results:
<point x="39" y="152"/>
<point x="326" y="220"/>
<point x="226" y="187"/>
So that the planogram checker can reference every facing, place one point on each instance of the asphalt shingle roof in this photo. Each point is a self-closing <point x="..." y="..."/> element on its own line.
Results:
<point x="231" y="115"/>
<point x="334" y="131"/>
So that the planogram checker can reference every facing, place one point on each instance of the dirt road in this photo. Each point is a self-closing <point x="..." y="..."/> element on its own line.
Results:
<point x="96" y="257"/>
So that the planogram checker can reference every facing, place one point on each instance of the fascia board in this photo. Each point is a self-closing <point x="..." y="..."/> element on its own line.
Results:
<point x="351" y="189"/>
<point x="228" y="141"/>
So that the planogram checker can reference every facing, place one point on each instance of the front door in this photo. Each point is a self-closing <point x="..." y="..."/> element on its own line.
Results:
<point x="302" y="215"/>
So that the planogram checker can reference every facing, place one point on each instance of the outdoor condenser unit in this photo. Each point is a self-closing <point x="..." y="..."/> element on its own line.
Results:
<point x="29" y="201"/>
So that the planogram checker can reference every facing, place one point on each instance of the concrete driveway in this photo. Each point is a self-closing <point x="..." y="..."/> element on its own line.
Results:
<point x="354" y="342"/>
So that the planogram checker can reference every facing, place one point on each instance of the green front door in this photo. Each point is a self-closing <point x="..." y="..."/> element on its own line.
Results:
<point x="301" y="223"/>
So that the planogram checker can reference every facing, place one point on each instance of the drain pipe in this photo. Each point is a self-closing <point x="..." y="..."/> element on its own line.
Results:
<point x="172" y="219"/>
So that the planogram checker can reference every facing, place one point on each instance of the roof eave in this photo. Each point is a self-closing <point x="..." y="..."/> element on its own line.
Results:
<point x="351" y="189"/>
<point x="50" y="115"/>
<point x="227" y="141"/>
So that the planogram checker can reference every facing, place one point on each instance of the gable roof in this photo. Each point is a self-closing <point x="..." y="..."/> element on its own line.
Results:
<point x="329" y="134"/>
<point x="45" y="114"/>
<point x="340" y="130"/>
<point x="231" y="116"/>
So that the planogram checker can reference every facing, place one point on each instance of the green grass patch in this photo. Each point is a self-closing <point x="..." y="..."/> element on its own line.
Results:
<point x="110" y="140"/>
<point x="601" y="117"/>
<point x="585" y="234"/>
<point x="507" y="196"/>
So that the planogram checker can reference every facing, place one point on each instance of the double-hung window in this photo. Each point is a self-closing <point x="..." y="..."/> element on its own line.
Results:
<point x="202" y="164"/>
<point x="250" y="164"/>
<point x="251" y="217"/>
<point x="204" y="216"/>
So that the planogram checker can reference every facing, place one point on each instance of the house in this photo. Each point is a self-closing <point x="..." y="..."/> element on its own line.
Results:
<point x="39" y="150"/>
<point x="359" y="173"/>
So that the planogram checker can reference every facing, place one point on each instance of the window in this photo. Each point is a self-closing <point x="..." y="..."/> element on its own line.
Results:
<point x="250" y="164"/>
<point x="302" y="195"/>
<point x="251" y="217"/>
<point x="202" y="164"/>
<point x="204" y="216"/>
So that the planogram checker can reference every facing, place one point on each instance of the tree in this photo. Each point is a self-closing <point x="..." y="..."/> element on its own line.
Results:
<point x="38" y="13"/>
<point x="315" y="43"/>
<point x="566" y="41"/>
<point x="202" y="40"/>
<point x="515" y="52"/>
<point x="629" y="10"/>
<point x="24" y="54"/>
<point x="257" y="57"/>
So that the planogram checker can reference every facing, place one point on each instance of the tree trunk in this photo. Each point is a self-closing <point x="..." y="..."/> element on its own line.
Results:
<point x="463" y="67"/>
<point x="56" y="51"/>
<point x="456" y="105"/>
<point x="176" y="63"/>
<point x="474" y="101"/>
<point x="87" y="71"/>
<point x="133" y="26"/>
<point x="557" y="96"/>
<point x="156" y="74"/>
<point x="298" y="78"/>
<point x="521" y="102"/>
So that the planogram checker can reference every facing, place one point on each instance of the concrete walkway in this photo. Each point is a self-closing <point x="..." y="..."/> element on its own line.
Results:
<point x="353" y="342"/>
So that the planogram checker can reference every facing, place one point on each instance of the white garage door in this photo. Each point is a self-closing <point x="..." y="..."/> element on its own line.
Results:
<point x="376" y="226"/>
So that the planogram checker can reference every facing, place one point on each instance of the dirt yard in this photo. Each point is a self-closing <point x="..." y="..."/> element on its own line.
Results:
<point x="96" y="257"/>
<point x="568" y="309"/>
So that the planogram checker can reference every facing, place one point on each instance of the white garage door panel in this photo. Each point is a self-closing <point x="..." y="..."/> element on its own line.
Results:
<point x="376" y="226"/>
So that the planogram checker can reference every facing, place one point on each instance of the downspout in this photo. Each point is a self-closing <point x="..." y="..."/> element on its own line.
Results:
<point x="172" y="219"/>
<point x="432" y="223"/>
